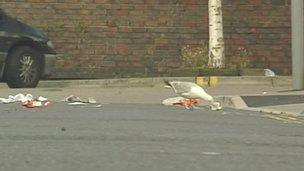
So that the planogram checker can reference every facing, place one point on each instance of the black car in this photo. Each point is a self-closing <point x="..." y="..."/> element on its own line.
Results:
<point x="26" y="55"/>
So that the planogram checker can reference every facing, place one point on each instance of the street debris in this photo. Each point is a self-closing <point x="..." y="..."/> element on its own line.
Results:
<point x="91" y="100"/>
<point x="72" y="99"/>
<point x="192" y="92"/>
<point x="42" y="99"/>
<point x="172" y="101"/>
<point x="76" y="101"/>
<point x="27" y="100"/>
<point x="180" y="101"/>
<point x="97" y="106"/>
<point x="17" y="98"/>
<point x="32" y="103"/>
<point x="47" y="103"/>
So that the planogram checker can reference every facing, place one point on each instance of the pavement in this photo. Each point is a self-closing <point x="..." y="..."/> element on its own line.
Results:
<point x="273" y="95"/>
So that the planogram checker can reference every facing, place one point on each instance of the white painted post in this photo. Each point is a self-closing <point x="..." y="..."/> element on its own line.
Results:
<point x="297" y="25"/>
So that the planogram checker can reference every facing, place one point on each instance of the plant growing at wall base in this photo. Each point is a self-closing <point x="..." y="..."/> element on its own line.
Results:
<point x="194" y="56"/>
<point x="195" y="62"/>
<point x="240" y="58"/>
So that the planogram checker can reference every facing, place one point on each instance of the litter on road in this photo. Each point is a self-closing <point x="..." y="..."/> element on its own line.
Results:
<point x="32" y="104"/>
<point x="180" y="101"/>
<point x="72" y="99"/>
<point x="42" y="99"/>
<point x="172" y="101"/>
<point x="17" y="98"/>
<point x="27" y="100"/>
<point x="76" y="101"/>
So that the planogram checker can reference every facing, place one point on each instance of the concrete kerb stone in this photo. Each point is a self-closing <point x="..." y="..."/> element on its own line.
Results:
<point x="232" y="101"/>
<point x="106" y="83"/>
<point x="150" y="82"/>
<point x="237" y="102"/>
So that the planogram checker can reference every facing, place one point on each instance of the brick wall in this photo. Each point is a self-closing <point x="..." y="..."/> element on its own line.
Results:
<point x="264" y="28"/>
<point x="119" y="38"/>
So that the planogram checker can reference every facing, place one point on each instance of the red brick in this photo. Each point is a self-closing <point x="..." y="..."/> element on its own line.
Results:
<point x="112" y="29"/>
<point x="107" y="64"/>
<point x="101" y="1"/>
<point x="122" y="49"/>
<point x="161" y="41"/>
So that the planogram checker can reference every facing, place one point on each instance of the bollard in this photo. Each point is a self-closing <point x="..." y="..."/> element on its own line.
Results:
<point x="213" y="81"/>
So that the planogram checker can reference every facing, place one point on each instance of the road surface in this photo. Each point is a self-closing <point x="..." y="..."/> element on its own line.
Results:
<point x="145" y="137"/>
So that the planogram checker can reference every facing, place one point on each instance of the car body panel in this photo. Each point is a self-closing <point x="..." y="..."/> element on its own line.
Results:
<point x="2" y="62"/>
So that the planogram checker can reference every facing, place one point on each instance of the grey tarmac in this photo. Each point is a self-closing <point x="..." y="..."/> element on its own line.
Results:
<point x="148" y="137"/>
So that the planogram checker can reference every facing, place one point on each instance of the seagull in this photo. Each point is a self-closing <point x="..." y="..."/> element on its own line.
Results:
<point x="190" y="91"/>
<point x="269" y="73"/>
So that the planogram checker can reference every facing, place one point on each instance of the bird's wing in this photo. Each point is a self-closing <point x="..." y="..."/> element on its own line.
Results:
<point x="182" y="87"/>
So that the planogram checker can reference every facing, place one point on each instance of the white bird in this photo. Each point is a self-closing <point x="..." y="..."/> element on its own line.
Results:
<point x="191" y="90"/>
<point x="269" y="73"/>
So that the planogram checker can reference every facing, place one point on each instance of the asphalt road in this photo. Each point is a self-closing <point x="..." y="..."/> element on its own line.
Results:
<point x="145" y="137"/>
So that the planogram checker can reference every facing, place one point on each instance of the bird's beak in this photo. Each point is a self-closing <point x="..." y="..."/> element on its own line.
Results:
<point x="166" y="86"/>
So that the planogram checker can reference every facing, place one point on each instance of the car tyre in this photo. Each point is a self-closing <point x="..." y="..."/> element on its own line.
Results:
<point x="23" y="68"/>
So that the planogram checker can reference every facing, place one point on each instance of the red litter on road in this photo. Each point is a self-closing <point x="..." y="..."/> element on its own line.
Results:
<point x="187" y="102"/>
<point x="35" y="103"/>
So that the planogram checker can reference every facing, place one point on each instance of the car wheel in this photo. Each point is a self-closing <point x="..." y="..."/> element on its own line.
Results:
<point x="23" y="68"/>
